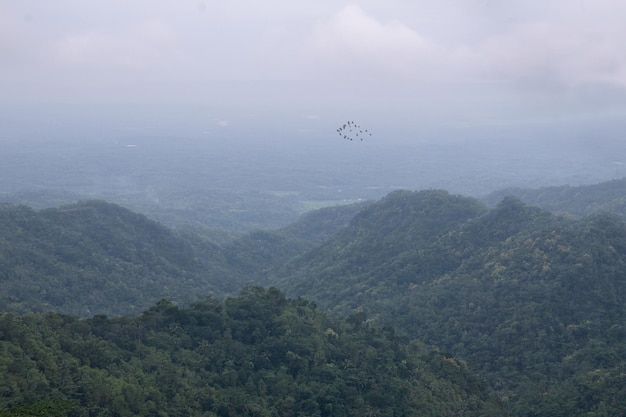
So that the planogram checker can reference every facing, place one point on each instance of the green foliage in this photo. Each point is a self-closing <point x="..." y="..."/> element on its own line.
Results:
<point x="99" y="258"/>
<point x="256" y="354"/>
<point x="532" y="302"/>
<point x="535" y="303"/>
<point x="43" y="408"/>
<point x="255" y="253"/>
<point x="375" y="254"/>
<point x="583" y="200"/>
<point x="94" y="257"/>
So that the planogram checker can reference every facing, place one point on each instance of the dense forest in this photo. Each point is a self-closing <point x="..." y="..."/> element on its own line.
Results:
<point x="536" y="303"/>
<point x="258" y="354"/>
<point x="95" y="257"/>
<point x="98" y="258"/>
<point x="531" y="301"/>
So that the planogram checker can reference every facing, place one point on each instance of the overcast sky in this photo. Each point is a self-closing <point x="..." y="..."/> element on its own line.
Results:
<point x="440" y="58"/>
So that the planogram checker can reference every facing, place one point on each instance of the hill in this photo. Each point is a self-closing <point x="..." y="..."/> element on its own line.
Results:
<point x="253" y="254"/>
<point x="534" y="302"/>
<point x="258" y="354"/>
<point x="211" y="209"/>
<point x="583" y="200"/>
<point x="99" y="258"/>
<point x="379" y="242"/>
<point x="95" y="257"/>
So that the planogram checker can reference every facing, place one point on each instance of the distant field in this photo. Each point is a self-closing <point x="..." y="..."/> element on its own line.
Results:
<point x="309" y="205"/>
<point x="239" y="183"/>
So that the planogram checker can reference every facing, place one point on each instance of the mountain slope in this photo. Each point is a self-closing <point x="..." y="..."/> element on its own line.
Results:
<point x="534" y="302"/>
<point x="252" y="254"/>
<point x="379" y="241"/>
<point x="609" y="196"/>
<point x="98" y="258"/>
<point x="258" y="354"/>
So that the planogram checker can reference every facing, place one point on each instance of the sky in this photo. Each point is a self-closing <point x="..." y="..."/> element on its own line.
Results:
<point x="215" y="64"/>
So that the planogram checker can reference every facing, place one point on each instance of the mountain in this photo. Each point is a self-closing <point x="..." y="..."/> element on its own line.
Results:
<point x="258" y="354"/>
<point x="253" y="254"/>
<point x="95" y="257"/>
<point x="379" y="241"/>
<point x="609" y="196"/>
<point x="211" y="209"/>
<point x="99" y="258"/>
<point x="536" y="303"/>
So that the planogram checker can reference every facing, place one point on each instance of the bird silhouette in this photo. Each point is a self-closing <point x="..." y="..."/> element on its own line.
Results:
<point x="350" y="130"/>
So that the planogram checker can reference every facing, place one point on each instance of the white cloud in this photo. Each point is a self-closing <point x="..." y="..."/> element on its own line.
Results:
<point x="561" y="53"/>
<point x="354" y="44"/>
<point x="183" y="45"/>
<point x="146" y="47"/>
<point x="560" y="45"/>
<point x="17" y="45"/>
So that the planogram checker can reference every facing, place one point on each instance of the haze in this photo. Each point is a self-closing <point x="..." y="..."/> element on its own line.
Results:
<point x="469" y="95"/>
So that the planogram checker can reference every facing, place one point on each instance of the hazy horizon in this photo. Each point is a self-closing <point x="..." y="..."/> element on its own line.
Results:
<point x="469" y="95"/>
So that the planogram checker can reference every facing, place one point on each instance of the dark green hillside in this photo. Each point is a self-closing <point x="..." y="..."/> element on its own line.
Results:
<point x="253" y="254"/>
<point x="99" y="258"/>
<point x="534" y="302"/>
<point x="258" y="354"/>
<point x="315" y="227"/>
<point x="381" y="241"/>
<point x="537" y="313"/>
<point x="95" y="257"/>
<point x="609" y="196"/>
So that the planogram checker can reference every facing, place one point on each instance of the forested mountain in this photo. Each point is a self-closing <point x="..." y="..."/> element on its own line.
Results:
<point x="582" y="200"/>
<point x="99" y="258"/>
<point x="212" y="209"/>
<point x="535" y="302"/>
<point x="258" y="354"/>
<point x="95" y="257"/>
<point x="356" y="258"/>
<point x="252" y="254"/>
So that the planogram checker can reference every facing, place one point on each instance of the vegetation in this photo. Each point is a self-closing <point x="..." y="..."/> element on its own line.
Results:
<point x="583" y="200"/>
<point x="534" y="302"/>
<point x="253" y="254"/>
<point x="258" y="354"/>
<point x="95" y="257"/>
<point x="98" y="258"/>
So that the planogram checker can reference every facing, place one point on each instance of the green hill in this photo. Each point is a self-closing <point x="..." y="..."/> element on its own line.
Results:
<point x="253" y="254"/>
<point x="378" y="243"/>
<point x="533" y="302"/>
<point x="258" y="354"/>
<point x="99" y="258"/>
<point x="536" y="303"/>
<point x="95" y="257"/>
<point x="583" y="200"/>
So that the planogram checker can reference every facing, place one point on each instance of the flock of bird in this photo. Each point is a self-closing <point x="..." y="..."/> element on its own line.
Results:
<point x="352" y="131"/>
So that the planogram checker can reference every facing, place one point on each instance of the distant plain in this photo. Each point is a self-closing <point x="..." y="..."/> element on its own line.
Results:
<point x="261" y="176"/>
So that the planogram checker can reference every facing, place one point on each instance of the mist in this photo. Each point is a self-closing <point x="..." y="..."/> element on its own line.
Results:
<point x="149" y="101"/>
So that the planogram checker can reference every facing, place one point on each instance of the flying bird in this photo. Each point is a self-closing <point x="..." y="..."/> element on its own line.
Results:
<point x="347" y="128"/>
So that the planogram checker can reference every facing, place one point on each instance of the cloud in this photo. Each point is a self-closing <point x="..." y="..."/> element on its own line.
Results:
<point x="352" y="43"/>
<point x="17" y="46"/>
<point x="555" y="52"/>
<point x="566" y="47"/>
<point x="183" y="46"/>
<point x="146" y="47"/>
